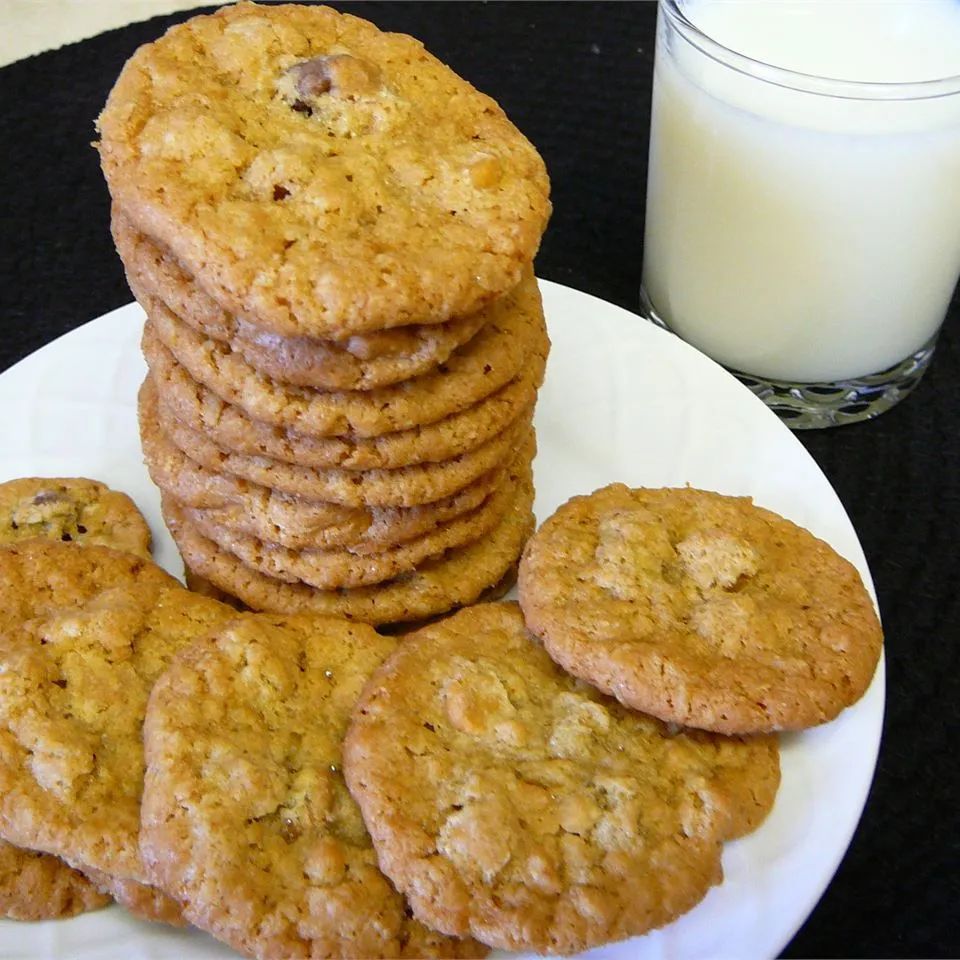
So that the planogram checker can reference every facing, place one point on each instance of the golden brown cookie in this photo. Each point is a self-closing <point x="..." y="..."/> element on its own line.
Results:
<point x="33" y="885"/>
<point x="205" y="588"/>
<point x="71" y="509"/>
<point x="293" y="521"/>
<point x="332" y="569"/>
<point x="700" y="609"/>
<point x="513" y="339"/>
<point x="246" y="817"/>
<point x="37" y="886"/>
<point x="84" y="632"/>
<point x="459" y="577"/>
<point x="420" y="483"/>
<point x="319" y="177"/>
<point x="229" y="427"/>
<point x="377" y="358"/>
<point x="509" y="801"/>
<point x="143" y="901"/>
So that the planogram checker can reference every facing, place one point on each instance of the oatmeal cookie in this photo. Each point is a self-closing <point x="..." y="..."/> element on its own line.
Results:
<point x="84" y="632"/>
<point x="411" y="486"/>
<point x="511" y="802"/>
<point x="228" y="426"/>
<point x="297" y="522"/>
<point x="246" y="817"/>
<point x="700" y="609"/>
<point x="332" y="569"/>
<point x="71" y="509"/>
<point x="37" y="886"/>
<point x="457" y="578"/>
<point x="377" y="358"/>
<point x="319" y="177"/>
<point x="513" y="340"/>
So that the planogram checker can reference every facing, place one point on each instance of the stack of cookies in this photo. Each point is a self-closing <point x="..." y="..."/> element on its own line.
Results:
<point x="332" y="237"/>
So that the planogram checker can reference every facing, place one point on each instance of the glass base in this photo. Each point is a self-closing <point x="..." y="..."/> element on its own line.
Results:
<point x="811" y="406"/>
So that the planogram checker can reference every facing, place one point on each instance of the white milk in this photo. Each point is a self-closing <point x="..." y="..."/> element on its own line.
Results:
<point x="798" y="236"/>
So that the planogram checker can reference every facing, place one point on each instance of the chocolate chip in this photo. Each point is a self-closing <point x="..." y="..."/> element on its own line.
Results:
<point x="280" y="192"/>
<point x="49" y="496"/>
<point x="338" y="74"/>
<point x="312" y="77"/>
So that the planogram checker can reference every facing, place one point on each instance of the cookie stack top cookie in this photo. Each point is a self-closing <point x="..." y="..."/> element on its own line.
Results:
<point x="319" y="176"/>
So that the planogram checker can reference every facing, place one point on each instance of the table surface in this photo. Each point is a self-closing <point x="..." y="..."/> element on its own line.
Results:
<point x="576" y="79"/>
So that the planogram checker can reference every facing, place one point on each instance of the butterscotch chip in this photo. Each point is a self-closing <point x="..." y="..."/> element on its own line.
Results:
<point x="71" y="509"/>
<point x="331" y="569"/>
<point x="512" y="339"/>
<point x="377" y="358"/>
<point x="246" y="817"/>
<point x="37" y="886"/>
<point x="459" y="577"/>
<point x="387" y="193"/>
<point x="509" y="801"/>
<point x="700" y="609"/>
<point x="417" y="484"/>
<point x="84" y="632"/>
<point x="226" y="425"/>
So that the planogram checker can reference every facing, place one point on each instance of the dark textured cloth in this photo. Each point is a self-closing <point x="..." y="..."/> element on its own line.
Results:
<point x="576" y="78"/>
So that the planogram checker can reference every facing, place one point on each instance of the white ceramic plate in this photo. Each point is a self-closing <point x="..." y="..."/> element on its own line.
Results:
<point x="623" y="401"/>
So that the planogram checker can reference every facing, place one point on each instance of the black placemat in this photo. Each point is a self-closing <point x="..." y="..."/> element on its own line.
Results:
<point x="576" y="78"/>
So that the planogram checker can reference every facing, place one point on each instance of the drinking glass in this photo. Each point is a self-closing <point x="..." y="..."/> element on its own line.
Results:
<point x="803" y="231"/>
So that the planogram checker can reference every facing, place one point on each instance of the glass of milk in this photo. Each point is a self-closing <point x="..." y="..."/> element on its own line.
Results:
<point x="803" y="198"/>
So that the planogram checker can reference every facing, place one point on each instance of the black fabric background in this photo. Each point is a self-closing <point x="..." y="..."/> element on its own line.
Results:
<point x="576" y="78"/>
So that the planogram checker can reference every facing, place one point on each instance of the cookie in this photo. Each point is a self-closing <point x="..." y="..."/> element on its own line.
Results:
<point x="205" y="588"/>
<point x="332" y="569"/>
<point x="229" y="427"/>
<point x="293" y="521"/>
<point x="34" y="885"/>
<point x="364" y="361"/>
<point x="510" y="802"/>
<point x="71" y="509"/>
<point x="404" y="487"/>
<point x="37" y="886"/>
<point x="514" y="338"/>
<point x="701" y="609"/>
<point x="319" y="177"/>
<point x="459" y="577"/>
<point x="145" y="902"/>
<point x="84" y="632"/>
<point x="246" y="817"/>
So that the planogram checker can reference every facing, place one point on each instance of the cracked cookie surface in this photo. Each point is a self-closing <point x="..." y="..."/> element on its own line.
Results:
<point x="701" y="609"/>
<point x="319" y="176"/>
<point x="71" y="509"/>
<point x="508" y="800"/>
<point x="84" y="632"/>
<point x="246" y="817"/>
